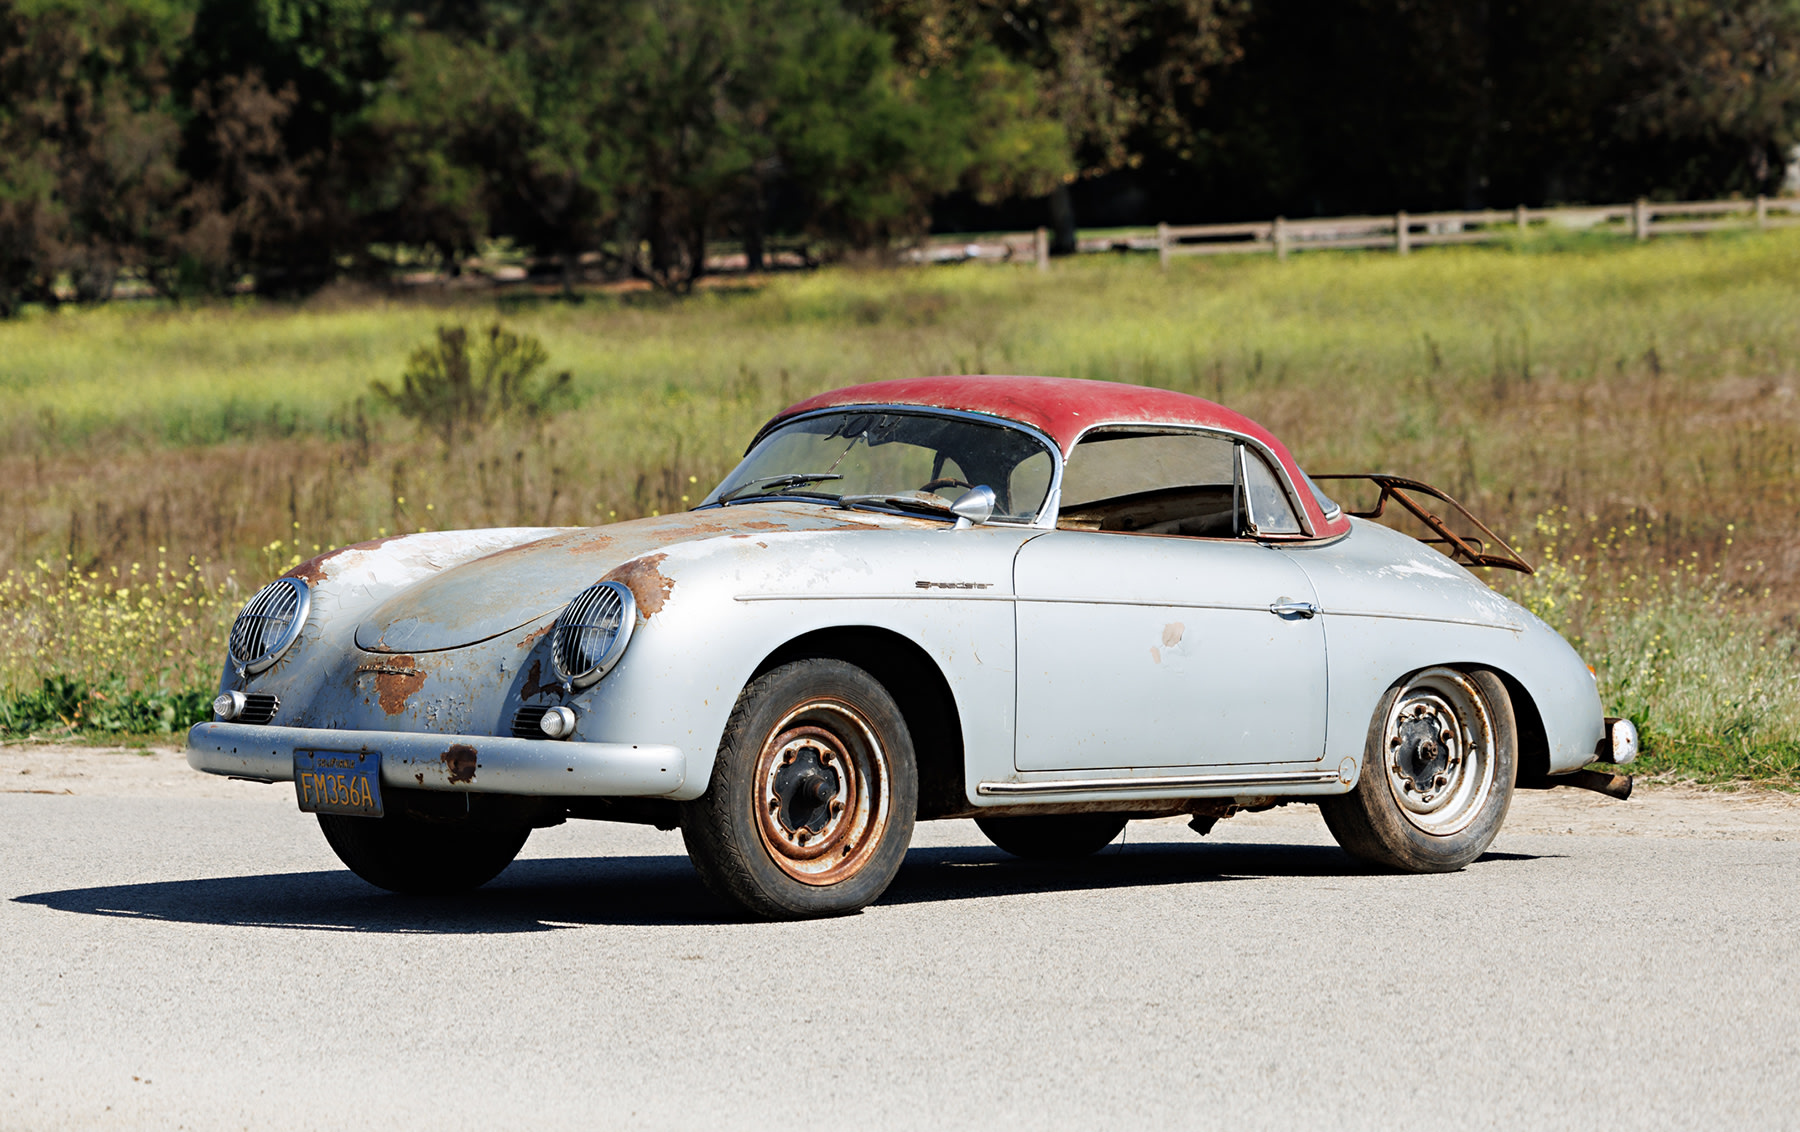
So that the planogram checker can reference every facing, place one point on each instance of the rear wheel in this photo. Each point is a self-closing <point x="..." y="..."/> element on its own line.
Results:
<point x="422" y="858"/>
<point x="1437" y="775"/>
<point x="1053" y="837"/>
<point x="813" y="794"/>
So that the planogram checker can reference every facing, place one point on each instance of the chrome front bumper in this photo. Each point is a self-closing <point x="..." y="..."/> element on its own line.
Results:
<point x="488" y="764"/>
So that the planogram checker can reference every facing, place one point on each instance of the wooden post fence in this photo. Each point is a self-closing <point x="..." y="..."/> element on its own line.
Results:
<point x="1402" y="231"/>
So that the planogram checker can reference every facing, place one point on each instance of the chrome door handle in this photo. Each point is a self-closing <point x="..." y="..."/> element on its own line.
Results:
<point x="1287" y="607"/>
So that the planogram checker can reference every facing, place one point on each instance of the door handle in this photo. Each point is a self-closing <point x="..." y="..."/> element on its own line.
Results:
<point x="1288" y="607"/>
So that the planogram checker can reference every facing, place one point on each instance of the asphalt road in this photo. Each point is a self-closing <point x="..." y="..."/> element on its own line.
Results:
<point x="169" y="961"/>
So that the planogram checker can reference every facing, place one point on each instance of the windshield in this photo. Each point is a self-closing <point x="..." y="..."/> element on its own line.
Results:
<point x="831" y="456"/>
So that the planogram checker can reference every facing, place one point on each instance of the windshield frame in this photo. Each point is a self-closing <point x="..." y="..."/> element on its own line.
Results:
<point x="1044" y="519"/>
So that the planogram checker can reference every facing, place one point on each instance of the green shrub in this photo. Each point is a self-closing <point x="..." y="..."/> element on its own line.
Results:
<point x="453" y="389"/>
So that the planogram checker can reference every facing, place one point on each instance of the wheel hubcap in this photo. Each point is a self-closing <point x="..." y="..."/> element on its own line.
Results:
<point x="823" y="799"/>
<point x="1439" y="745"/>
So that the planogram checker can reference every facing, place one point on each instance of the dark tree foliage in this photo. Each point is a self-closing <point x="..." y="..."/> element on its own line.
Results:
<point x="1342" y="106"/>
<point x="645" y="128"/>
<point x="88" y="142"/>
<point x="205" y="145"/>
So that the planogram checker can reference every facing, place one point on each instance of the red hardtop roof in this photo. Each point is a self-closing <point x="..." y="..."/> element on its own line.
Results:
<point x="1063" y="408"/>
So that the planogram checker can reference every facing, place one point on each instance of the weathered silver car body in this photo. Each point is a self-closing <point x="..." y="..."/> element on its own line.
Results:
<point x="1039" y="669"/>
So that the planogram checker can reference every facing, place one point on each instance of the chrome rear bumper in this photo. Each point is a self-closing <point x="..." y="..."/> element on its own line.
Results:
<point x="489" y="764"/>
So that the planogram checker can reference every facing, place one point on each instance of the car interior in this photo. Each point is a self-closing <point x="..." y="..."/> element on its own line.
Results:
<point x="1170" y="483"/>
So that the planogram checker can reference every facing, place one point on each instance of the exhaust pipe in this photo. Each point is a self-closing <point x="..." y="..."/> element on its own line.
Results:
<point x="1612" y="785"/>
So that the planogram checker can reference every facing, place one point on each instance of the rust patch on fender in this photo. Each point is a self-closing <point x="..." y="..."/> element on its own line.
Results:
<point x="535" y="635"/>
<point x="649" y="585"/>
<point x="763" y="525"/>
<point x="396" y="679"/>
<point x="534" y="682"/>
<point x="460" y="761"/>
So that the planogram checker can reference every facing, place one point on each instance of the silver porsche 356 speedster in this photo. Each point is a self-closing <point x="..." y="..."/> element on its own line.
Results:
<point x="1048" y="605"/>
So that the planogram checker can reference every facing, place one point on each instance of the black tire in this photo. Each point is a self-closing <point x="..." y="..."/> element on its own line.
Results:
<point x="812" y="743"/>
<point x="422" y="858"/>
<point x="1053" y="837"/>
<point x="1428" y="801"/>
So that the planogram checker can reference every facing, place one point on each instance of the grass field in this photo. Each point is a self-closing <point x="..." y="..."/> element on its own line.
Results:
<point x="1631" y="414"/>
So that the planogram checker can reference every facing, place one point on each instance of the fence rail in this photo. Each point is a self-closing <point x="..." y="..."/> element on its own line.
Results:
<point x="1402" y="231"/>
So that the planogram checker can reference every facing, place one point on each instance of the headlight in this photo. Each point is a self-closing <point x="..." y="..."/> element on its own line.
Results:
<point x="269" y="624"/>
<point x="591" y="634"/>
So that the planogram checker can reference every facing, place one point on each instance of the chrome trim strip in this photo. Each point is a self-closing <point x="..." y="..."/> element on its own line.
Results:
<point x="481" y="764"/>
<point x="1168" y="782"/>
<point x="1507" y="626"/>
<point x="1145" y="603"/>
<point x="930" y="595"/>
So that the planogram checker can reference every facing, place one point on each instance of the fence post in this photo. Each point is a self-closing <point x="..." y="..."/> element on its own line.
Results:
<point x="1042" y="248"/>
<point x="1519" y="217"/>
<point x="1640" y="219"/>
<point x="1280" y="237"/>
<point x="1162" y="246"/>
<point x="1762" y="212"/>
<point x="1402" y="234"/>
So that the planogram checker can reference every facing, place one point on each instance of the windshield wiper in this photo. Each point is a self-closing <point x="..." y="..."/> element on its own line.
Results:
<point x="899" y="502"/>
<point x="771" y="482"/>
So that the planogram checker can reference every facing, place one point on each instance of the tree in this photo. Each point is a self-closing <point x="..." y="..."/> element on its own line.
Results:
<point x="88" y="140"/>
<point x="647" y="128"/>
<point x="1120" y="76"/>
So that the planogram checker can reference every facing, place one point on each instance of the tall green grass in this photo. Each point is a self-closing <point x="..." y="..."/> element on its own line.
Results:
<point x="1608" y="384"/>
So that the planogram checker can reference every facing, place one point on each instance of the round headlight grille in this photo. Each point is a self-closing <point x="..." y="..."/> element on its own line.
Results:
<point x="592" y="632"/>
<point x="269" y="624"/>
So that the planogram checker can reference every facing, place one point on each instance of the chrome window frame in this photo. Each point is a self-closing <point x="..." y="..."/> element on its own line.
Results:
<point x="1045" y="518"/>
<point x="1287" y="484"/>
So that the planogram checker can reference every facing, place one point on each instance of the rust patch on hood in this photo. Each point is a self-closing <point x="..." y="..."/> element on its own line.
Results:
<point x="396" y="679"/>
<point x="536" y="635"/>
<point x="313" y="571"/>
<point x="459" y="760"/>
<point x="647" y="583"/>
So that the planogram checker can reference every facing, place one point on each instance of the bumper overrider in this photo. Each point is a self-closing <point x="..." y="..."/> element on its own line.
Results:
<point x="489" y="764"/>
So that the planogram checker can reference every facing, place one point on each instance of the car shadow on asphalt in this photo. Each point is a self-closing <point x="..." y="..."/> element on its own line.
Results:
<point x="550" y="894"/>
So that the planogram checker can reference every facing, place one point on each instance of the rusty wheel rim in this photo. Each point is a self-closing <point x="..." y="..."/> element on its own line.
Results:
<point x="823" y="792"/>
<point x="1439" y="746"/>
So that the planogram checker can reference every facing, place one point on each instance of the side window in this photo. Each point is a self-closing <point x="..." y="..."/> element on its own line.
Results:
<point x="1151" y="483"/>
<point x="1270" y="511"/>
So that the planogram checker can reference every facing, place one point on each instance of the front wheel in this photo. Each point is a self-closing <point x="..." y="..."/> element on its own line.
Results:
<point x="422" y="858"/>
<point x="1437" y="775"/>
<point x="813" y="795"/>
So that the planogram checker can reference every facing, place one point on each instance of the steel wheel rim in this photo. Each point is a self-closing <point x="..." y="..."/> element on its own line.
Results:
<point x="1438" y="751"/>
<point x="822" y="792"/>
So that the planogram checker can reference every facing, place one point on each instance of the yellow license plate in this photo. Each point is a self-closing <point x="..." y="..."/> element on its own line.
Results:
<point x="338" y="782"/>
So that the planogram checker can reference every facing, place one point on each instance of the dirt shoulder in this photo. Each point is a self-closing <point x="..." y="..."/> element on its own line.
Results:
<point x="1653" y="811"/>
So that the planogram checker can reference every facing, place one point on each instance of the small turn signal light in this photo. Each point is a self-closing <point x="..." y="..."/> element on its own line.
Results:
<point x="228" y="706"/>
<point x="558" y="722"/>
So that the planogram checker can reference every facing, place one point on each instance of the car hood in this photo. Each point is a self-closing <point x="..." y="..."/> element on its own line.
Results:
<point x="488" y="596"/>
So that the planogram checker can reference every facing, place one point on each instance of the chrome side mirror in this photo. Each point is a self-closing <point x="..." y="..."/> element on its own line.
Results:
<point x="974" y="507"/>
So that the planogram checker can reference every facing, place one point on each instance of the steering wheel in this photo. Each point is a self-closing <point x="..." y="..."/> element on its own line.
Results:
<point x="947" y="481"/>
